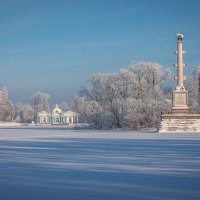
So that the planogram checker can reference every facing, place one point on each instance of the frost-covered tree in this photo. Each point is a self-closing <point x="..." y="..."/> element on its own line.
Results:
<point x="92" y="112"/>
<point x="194" y="91"/>
<point x="134" y="115"/>
<point x="131" y="98"/>
<point x="6" y="106"/>
<point x="148" y="77"/>
<point x="102" y="89"/>
<point x="24" y="113"/>
<point x="79" y="106"/>
<point x="40" y="102"/>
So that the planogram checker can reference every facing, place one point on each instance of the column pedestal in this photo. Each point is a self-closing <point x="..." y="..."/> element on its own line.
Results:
<point x="180" y="102"/>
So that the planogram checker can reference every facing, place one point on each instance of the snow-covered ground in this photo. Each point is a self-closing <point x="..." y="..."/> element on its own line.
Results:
<point x="39" y="163"/>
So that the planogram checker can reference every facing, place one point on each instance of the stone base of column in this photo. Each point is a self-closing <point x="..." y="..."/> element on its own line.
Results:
<point x="180" y="123"/>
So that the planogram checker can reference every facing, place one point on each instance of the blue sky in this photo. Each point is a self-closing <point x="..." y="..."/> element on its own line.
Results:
<point x="54" y="45"/>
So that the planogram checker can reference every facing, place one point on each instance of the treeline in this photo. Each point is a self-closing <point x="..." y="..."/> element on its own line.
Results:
<point x="132" y="98"/>
<point x="25" y="113"/>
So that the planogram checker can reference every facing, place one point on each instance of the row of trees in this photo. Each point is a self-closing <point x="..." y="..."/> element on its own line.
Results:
<point x="23" y="112"/>
<point x="133" y="97"/>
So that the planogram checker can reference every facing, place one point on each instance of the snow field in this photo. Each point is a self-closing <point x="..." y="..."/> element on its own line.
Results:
<point x="59" y="163"/>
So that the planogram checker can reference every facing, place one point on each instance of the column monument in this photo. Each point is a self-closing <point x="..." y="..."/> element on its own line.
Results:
<point x="180" y="119"/>
<point x="180" y="95"/>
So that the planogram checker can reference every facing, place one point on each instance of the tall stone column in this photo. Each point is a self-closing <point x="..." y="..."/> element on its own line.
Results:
<point x="180" y="95"/>
<point x="181" y="120"/>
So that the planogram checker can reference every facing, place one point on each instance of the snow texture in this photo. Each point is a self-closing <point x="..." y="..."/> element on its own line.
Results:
<point x="55" y="163"/>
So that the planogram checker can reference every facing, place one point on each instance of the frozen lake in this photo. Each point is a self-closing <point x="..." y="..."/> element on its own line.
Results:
<point x="58" y="163"/>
